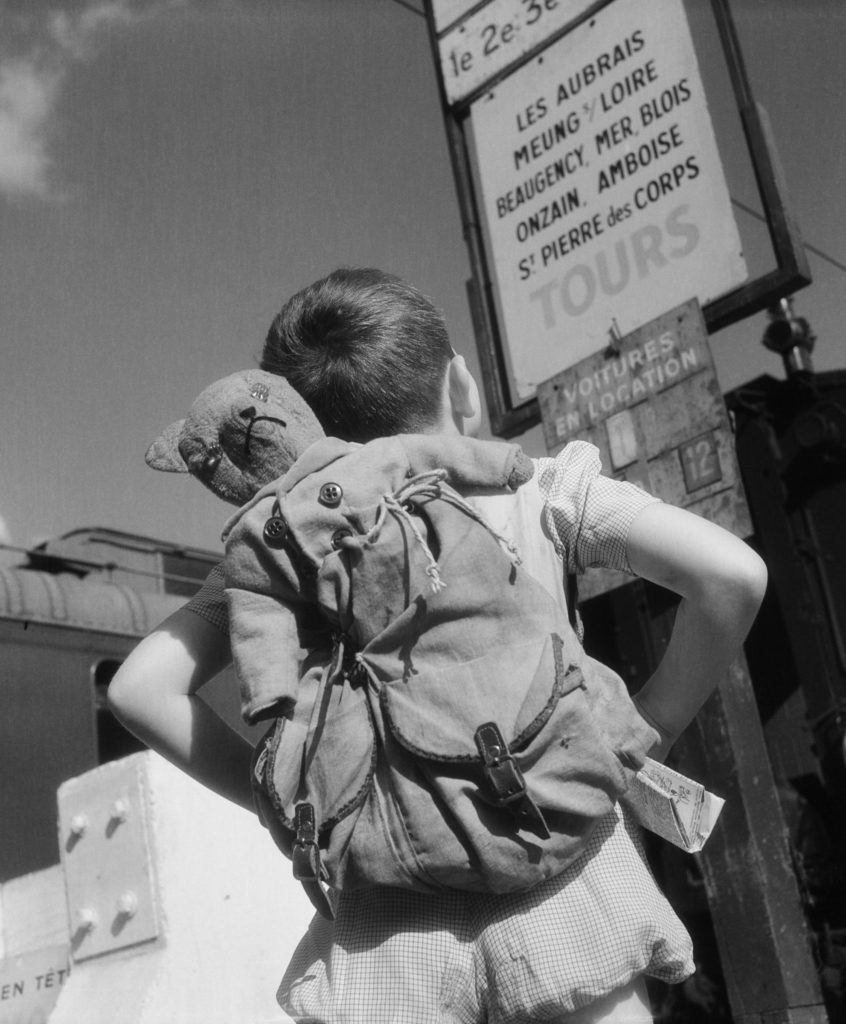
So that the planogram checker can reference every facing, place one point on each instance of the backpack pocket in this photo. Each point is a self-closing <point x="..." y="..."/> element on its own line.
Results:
<point x="322" y="754"/>
<point x="552" y="743"/>
<point x="486" y="775"/>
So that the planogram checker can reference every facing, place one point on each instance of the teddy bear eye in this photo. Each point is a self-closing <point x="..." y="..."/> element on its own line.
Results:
<point x="211" y="462"/>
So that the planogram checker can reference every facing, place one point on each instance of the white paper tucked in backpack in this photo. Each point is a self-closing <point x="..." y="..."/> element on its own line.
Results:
<point x="672" y="806"/>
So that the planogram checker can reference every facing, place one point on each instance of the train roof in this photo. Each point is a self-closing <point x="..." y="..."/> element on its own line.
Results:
<point x="102" y="580"/>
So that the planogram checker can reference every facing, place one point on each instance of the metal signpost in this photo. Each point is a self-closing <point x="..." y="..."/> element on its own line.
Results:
<point x="594" y="206"/>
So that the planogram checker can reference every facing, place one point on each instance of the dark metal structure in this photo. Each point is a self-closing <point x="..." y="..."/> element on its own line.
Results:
<point x="773" y="877"/>
<point x="791" y="443"/>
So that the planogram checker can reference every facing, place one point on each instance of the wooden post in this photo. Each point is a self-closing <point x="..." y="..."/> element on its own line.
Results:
<point x="753" y="896"/>
<point x="659" y="420"/>
<point x="755" y="903"/>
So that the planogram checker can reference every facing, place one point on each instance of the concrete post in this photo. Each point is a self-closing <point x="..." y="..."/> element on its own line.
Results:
<point x="180" y="908"/>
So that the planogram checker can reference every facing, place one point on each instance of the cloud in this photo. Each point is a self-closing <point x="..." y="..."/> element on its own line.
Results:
<point x="75" y="34"/>
<point x="50" y="44"/>
<point x="27" y="98"/>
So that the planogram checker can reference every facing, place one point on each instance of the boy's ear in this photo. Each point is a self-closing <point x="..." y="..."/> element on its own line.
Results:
<point x="463" y="396"/>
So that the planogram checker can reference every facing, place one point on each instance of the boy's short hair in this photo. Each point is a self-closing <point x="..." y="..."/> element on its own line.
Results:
<point x="366" y="350"/>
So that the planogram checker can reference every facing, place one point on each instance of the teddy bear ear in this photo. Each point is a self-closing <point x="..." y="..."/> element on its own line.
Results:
<point x="164" y="453"/>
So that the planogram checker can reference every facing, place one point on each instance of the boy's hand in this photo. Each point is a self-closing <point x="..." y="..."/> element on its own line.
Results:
<point x="662" y="747"/>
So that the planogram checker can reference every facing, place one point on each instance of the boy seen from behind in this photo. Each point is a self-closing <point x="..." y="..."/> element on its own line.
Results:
<point x="371" y="356"/>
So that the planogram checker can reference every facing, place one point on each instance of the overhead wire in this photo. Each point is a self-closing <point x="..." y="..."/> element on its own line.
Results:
<point x="410" y="7"/>
<point x="811" y="248"/>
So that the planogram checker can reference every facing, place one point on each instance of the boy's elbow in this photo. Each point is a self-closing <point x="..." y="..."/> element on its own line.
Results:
<point x="129" y="694"/>
<point x="743" y="591"/>
<point x="121" y="696"/>
<point x="752" y="575"/>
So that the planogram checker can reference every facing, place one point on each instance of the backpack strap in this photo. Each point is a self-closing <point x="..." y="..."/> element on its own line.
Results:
<point x="571" y="581"/>
<point x="305" y="859"/>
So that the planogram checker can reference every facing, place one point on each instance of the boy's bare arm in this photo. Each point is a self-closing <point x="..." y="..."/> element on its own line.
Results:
<point x="154" y="694"/>
<point x="721" y="581"/>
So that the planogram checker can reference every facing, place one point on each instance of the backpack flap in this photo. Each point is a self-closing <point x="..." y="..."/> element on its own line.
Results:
<point x="546" y="721"/>
<point x="435" y="712"/>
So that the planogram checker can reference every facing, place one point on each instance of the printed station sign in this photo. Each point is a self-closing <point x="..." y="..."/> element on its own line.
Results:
<point x="653" y="407"/>
<point x="603" y="201"/>
<point x="491" y="39"/>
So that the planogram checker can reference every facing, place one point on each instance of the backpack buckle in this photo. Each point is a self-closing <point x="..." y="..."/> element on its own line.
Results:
<point x="498" y="765"/>
<point x="305" y="860"/>
<point x="305" y="855"/>
<point x="503" y="776"/>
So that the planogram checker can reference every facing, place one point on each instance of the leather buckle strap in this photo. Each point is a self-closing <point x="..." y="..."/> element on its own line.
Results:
<point x="498" y="765"/>
<point x="305" y="859"/>
<point x="305" y="855"/>
<point x="503" y="776"/>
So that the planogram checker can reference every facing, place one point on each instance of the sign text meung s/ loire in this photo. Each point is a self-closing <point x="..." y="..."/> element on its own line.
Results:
<point x="603" y="197"/>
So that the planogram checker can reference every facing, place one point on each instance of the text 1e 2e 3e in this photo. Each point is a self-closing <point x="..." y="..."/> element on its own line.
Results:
<point x="495" y="36"/>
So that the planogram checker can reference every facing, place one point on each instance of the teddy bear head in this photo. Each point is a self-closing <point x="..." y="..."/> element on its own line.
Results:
<point x="242" y="432"/>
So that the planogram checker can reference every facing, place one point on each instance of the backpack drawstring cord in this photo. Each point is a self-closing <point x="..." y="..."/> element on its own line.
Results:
<point x="432" y="569"/>
<point x="428" y="486"/>
<point x="459" y="502"/>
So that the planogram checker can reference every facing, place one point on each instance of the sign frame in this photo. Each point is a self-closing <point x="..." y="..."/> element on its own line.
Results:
<point x="510" y="417"/>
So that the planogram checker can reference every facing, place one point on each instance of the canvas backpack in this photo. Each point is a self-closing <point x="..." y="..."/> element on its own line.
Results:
<point x="441" y="726"/>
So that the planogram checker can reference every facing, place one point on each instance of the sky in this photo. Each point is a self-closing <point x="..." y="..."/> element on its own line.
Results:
<point x="172" y="170"/>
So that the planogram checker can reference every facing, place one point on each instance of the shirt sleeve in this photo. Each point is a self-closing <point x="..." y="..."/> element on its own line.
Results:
<point x="210" y="601"/>
<point x="588" y="515"/>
